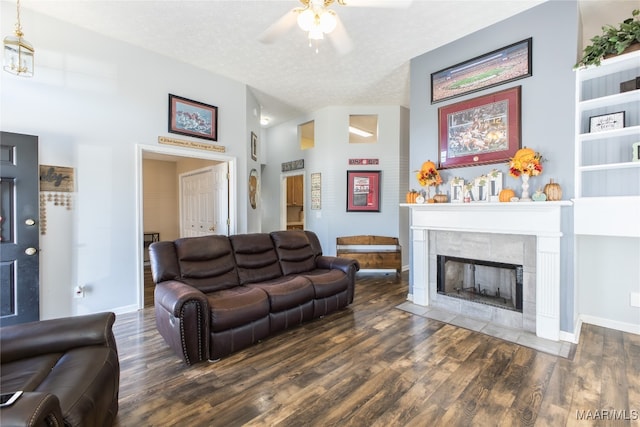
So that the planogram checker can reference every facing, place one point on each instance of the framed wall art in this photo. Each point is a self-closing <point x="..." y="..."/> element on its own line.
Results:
<point x="192" y="118"/>
<point x="254" y="146"/>
<point x="481" y="130"/>
<point x="606" y="122"/>
<point x="363" y="191"/>
<point x="500" y="66"/>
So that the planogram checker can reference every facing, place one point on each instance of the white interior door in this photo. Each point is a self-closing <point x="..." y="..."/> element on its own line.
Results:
<point x="205" y="202"/>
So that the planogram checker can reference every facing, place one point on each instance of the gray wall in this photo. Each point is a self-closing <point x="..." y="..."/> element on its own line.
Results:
<point x="330" y="158"/>
<point x="547" y="105"/>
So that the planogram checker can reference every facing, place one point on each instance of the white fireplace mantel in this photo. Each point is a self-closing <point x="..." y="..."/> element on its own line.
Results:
<point x="540" y="219"/>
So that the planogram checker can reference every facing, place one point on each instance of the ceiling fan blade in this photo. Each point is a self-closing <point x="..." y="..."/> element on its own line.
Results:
<point x="340" y="38"/>
<point x="379" y="3"/>
<point x="280" y="27"/>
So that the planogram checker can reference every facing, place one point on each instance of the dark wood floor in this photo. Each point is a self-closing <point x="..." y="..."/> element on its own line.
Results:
<point x="374" y="365"/>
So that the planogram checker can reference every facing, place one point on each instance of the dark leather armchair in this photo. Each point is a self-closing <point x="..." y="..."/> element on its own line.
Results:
<point x="67" y="368"/>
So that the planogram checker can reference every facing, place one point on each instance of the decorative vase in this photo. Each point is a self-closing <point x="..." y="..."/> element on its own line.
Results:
<point x="525" y="188"/>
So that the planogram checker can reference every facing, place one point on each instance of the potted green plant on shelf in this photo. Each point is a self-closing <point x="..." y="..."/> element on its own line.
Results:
<point x="613" y="41"/>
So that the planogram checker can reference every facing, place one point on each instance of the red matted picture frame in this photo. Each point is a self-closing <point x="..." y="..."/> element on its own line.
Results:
<point x="193" y="118"/>
<point x="481" y="130"/>
<point x="363" y="191"/>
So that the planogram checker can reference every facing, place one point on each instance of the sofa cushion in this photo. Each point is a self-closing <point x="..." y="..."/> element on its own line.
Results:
<point x="328" y="282"/>
<point x="206" y="263"/>
<point x="255" y="257"/>
<point x="79" y="380"/>
<point x="27" y="374"/>
<point x="287" y="292"/>
<point x="294" y="251"/>
<point x="237" y="306"/>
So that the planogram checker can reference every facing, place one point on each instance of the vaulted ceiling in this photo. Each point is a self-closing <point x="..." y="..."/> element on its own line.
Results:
<point x="288" y="77"/>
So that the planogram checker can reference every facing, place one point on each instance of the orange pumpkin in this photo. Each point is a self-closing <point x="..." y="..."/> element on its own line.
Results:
<point x="411" y="196"/>
<point x="506" y="194"/>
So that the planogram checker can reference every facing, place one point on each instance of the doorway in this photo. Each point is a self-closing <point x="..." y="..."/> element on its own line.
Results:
<point x="292" y="203"/>
<point x="163" y="202"/>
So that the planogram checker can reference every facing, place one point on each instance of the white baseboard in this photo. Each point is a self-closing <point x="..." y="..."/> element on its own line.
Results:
<point x="572" y="337"/>
<point x="125" y="309"/>
<point x="611" y="324"/>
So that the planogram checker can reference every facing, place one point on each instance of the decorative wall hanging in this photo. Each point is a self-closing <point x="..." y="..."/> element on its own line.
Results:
<point x="363" y="191"/>
<point x="253" y="188"/>
<point x="481" y="130"/>
<point x="193" y="118"/>
<point x="254" y="146"/>
<point x="293" y="165"/>
<point x="500" y="66"/>
<point x="363" y="162"/>
<point x="191" y="144"/>
<point x="316" y="190"/>
<point x="56" y="185"/>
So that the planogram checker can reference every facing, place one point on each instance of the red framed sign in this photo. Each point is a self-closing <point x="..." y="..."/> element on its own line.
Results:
<point x="363" y="191"/>
<point x="481" y="130"/>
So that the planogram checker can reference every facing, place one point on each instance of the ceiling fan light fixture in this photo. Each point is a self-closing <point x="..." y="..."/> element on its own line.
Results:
<point x="306" y="19"/>
<point x="316" y="34"/>
<point x="328" y="21"/>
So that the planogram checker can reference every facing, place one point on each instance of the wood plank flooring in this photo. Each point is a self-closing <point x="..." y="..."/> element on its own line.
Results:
<point x="374" y="365"/>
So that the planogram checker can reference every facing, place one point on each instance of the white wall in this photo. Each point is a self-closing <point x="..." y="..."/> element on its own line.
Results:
<point x="330" y="158"/>
<point x="547" y="108"/>
<point x="91" y="101"/>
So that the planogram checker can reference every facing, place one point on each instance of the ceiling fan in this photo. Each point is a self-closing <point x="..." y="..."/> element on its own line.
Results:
<point x="317" y="19"/>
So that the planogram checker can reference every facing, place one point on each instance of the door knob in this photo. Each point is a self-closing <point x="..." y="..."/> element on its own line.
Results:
<point x="30" y="251"/>
<point x="30" y="222"/>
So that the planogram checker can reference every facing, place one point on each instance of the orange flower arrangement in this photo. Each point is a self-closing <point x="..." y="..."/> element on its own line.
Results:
<point x="428" y="175"/>
<point x="525" y="161"/>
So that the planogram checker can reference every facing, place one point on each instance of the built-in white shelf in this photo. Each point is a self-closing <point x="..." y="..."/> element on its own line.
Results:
<point x="610" y="166"/>
<point x="614" y="133"/>
<point x="605" y="101"/>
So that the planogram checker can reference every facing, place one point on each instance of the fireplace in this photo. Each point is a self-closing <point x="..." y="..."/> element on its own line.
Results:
<point x="525" y="233"/>
<point x="492" y="283"/>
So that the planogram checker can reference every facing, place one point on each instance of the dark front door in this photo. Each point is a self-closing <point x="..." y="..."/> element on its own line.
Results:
<point x="19" y="225"/>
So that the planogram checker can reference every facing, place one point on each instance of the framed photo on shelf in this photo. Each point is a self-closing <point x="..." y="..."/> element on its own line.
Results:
<point x="363" y="191"/>
<point x="500" y="66"/>
<point x="481" y="130"/>
<point x="192" y="118"/>
<point x="606" y="122"/>
<point x="254" y="146"/>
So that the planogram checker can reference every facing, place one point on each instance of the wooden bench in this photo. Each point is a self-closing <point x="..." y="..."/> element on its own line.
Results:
<point x="372" y="252"/>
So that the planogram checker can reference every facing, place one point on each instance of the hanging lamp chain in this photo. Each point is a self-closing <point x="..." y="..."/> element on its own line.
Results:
<point x="18" y="31"/>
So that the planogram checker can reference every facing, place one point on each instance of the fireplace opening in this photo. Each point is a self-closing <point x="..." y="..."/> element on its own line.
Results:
<point x="485" y="282"/>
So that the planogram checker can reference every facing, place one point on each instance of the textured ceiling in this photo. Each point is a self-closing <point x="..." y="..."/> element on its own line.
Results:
<point x="288" y="77"/>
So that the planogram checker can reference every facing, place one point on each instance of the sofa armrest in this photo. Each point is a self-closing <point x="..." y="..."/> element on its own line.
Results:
<point x="182" y="318"/>
<point x="331" y="262"/>
<point x="56" y="335"/>
<point x="33" y="409"/>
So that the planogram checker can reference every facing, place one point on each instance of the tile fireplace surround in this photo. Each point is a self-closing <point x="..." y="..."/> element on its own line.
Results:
<point x="526" y="233"/>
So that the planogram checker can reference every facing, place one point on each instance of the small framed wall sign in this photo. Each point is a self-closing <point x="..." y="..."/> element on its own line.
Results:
<point x="606" y="122"/>
<point x="363" y="191"/>
<point x="636" y="152"/>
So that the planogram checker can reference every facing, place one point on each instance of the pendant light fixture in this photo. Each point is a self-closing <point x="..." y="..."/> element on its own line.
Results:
<point x="18" y="53"/>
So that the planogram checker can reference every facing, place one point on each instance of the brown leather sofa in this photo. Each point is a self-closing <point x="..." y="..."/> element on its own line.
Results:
<point x="67" y="368"/>
<point x="215" y="295"/>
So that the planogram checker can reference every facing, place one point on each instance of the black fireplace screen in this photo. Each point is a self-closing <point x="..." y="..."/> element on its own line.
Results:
<point x="485" y="282"/>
